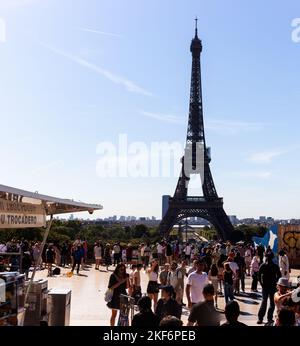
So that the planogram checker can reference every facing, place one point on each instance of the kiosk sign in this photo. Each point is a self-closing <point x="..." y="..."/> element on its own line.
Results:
<point x="21" y="215"/>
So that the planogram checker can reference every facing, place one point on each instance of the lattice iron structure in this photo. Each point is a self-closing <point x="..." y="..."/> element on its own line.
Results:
<point x="197" y="158"/>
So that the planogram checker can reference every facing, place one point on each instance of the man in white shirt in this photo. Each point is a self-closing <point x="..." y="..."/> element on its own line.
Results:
<point x="195" y="284"/>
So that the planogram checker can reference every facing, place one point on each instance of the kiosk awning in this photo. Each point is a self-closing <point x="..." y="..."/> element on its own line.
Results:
<point x="23" y="208"/>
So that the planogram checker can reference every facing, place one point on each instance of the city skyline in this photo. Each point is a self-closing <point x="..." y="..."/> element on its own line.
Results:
<point x="73" y="78"/>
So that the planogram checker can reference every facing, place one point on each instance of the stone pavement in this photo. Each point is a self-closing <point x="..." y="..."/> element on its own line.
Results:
<point x="88" y="307"/>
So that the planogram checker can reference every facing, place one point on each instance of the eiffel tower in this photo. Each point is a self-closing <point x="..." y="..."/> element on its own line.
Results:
<point x="196" y="160"/>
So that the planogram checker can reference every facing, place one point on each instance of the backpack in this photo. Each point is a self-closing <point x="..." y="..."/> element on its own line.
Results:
<point x="56" y="271"/>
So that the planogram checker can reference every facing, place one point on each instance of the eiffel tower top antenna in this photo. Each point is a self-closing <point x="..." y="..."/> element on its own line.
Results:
<point x="196" y="26"/>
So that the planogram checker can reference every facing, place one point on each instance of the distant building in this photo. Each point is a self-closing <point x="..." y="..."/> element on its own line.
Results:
<point x="262" y="219"/>
<point x="165" y="204"/>
<point x="233" y="219"/>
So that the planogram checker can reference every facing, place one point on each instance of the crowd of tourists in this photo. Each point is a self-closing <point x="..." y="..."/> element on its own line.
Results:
<point x="22" y="255"/>
<point x="194" y="277"/>
<point x="190" y="277"/>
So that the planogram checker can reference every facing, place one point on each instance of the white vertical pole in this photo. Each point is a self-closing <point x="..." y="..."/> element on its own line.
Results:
<point x="37" y="262"/>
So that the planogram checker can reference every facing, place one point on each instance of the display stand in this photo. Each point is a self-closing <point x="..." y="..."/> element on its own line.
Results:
<point x="24" y="209"/>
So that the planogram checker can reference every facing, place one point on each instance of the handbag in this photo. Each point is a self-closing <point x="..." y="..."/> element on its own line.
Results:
<point x="108" y="295"/>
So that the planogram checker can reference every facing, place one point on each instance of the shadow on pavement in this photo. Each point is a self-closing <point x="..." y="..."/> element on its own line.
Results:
<point x="247" y="301"/>
<point x="244" y="313"/>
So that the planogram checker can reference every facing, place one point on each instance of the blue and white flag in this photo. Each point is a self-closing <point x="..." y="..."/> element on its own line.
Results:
<point x="270" y="239"/>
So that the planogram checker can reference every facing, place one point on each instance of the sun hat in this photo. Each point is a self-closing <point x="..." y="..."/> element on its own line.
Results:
<point x="283" y="282"/>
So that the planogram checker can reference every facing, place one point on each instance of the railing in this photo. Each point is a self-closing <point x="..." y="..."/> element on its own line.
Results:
<point x="196" y="199"/>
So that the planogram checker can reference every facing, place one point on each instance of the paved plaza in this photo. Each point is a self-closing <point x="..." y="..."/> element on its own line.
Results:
<point x="88" y="307"/>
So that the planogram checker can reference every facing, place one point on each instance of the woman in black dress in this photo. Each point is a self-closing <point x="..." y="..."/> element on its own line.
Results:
<point x="153" y="286"/>
<point x="118" y="282"/>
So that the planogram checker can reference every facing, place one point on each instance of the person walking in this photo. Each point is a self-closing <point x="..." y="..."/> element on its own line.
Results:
<point x="228" y="278"/>
<point x="147" y="255"/>
<point x="64" y="255"/>
<point x="240" y="279"/>
<point x="136" y="283"/>
<point x="163" y="275"/>
<point x="36" y="250"/>
<point x="284" y="264"/>
<point x="129" y="251"/>
<point x="188" y="252"/>
<point x="169" y="253"/>
<point x="248" y="259"/>
<point x="160" y="253"/>
<point x="174" y="280"/>
<point x="98" y="255"/>
<point x="214" y="279"/>
<point x="26" y="264"/>
<point x="260" y="252"/>
<point x="118" y="283"/>
<point x="50" y="259"/>
<point x="254" y="268"/>
<point x="195" y="283"/>
<point x="117" y="253"/>
<point x="268" y="275"/>
<point x="183" y="271"/>
<point x="78" y="255"/>
<point x="153" y="287"/>
<point x="220" y="266"/>
<point x="107" y="256"/>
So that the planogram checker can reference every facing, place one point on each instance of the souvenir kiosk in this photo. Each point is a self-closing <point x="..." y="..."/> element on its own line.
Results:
<point x="24" y="209"/>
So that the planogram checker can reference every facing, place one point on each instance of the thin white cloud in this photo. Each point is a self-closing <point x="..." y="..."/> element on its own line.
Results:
<point x="265" y="156"/>
<point x="129" y="85"/>
<point x="168" y="118"/>
<point x="220" y="126"/>
<point x="105" y="33"/>
<point x="44" y="168"/>
<point x="234" y="127"/>
<point x="263" y="175"/>
<point x="6" y="4"/>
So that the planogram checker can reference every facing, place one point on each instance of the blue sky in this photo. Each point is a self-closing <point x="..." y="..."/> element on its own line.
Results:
<point x="78" y="73"/>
